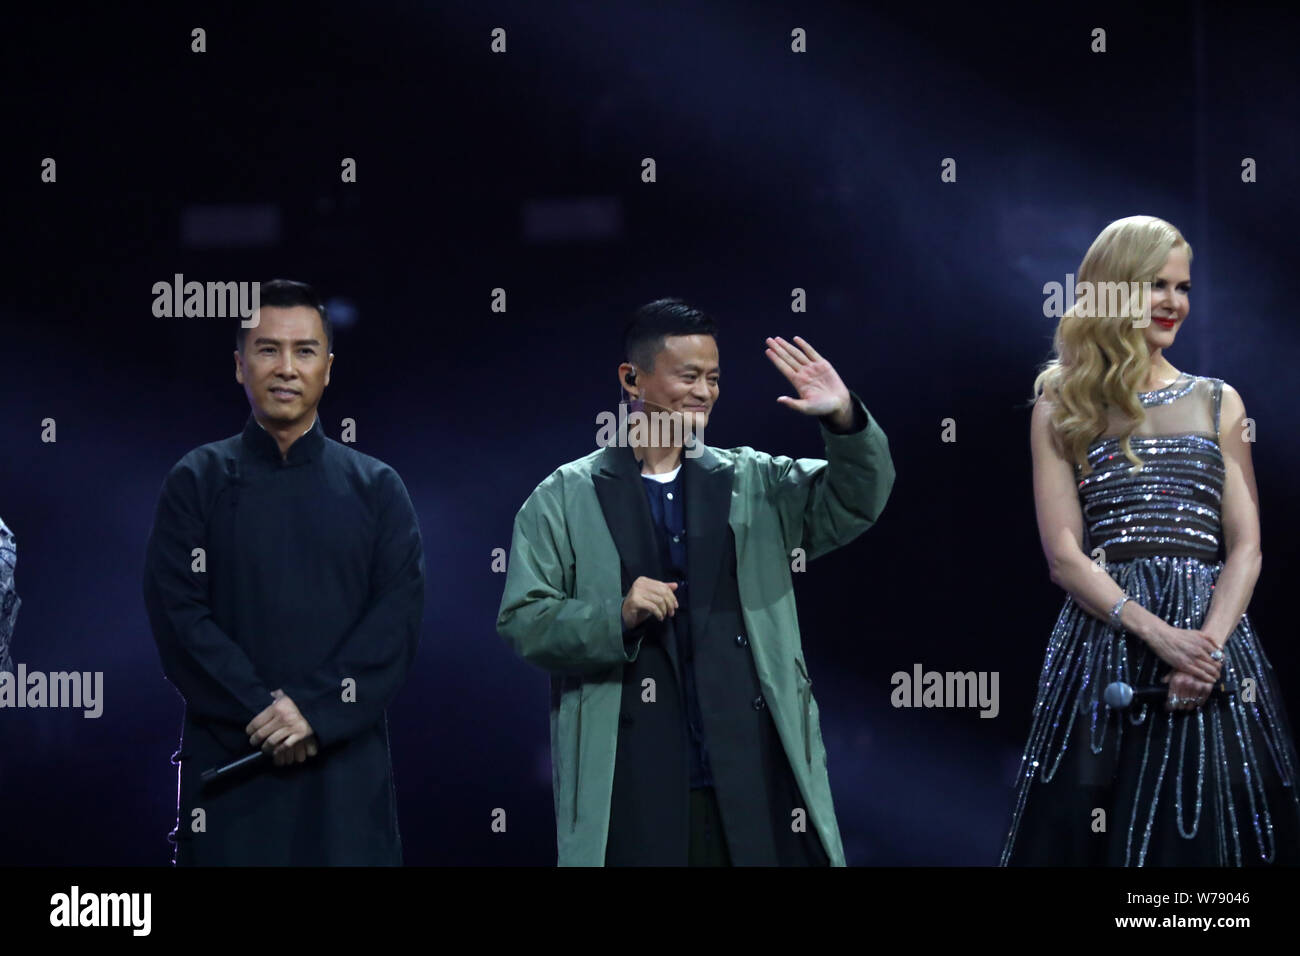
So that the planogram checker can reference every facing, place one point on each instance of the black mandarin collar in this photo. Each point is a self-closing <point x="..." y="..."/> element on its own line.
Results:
<point x="306" y="447"/>
<point x="664" y="486"/>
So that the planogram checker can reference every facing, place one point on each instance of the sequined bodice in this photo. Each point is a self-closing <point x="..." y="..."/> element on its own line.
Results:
<point x="1173" y="505"/>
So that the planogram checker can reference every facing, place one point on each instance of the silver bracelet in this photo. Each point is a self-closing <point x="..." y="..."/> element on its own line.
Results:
<point x="1114" y="612"/>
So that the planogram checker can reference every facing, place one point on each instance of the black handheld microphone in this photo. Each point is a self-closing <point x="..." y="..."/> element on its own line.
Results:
<point x="216" y="773"/>
<point x="1120" y="695"/>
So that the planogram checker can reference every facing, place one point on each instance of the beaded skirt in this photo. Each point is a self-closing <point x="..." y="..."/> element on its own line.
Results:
<point x="1210" y="787"/>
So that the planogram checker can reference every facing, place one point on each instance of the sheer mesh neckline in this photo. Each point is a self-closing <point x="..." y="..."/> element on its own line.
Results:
<point x="1170" y="415"/>
<point x="1165" y="388"/>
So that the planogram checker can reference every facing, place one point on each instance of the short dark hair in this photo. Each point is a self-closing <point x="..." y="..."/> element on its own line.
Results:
<point x="645" y="331"/>
<point x="285" y="294"/>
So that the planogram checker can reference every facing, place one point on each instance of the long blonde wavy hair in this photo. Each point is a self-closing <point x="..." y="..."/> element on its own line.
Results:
<point x="1102" y="360"/>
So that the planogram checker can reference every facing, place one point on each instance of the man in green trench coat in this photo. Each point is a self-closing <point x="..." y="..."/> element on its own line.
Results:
<point x="652" y="579"/>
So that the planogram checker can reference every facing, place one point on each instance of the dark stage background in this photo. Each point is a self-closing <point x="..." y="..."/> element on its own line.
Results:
<point x="522" y="171"/>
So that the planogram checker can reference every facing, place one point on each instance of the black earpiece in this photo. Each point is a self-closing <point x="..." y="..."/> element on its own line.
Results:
<point x="630" y="378"/>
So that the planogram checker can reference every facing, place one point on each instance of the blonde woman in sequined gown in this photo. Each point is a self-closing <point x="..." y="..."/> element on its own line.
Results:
<point x="1205" y="775"/>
